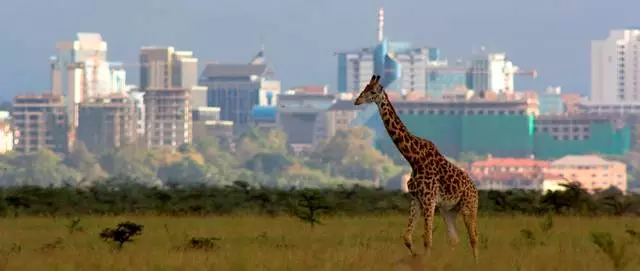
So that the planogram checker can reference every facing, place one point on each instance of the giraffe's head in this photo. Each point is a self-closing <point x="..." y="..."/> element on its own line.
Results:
<point x="372" y="93"/>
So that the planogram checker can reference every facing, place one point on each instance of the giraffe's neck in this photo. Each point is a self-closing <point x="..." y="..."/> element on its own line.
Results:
<point x="395" y="127"/>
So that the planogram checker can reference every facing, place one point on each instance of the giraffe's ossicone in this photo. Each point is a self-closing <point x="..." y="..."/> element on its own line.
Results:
<point x="435" y="181"/>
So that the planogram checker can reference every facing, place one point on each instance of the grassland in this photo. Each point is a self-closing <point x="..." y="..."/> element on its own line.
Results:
<point x="341" y="243"/>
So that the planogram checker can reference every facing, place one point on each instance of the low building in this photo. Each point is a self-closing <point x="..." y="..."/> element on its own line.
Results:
<point x="217" y="128"/>
<point x="206" y="122"/>
<point x="591" y="171"/>
<point x="508" y="180"/>
<point x="340" y="116"/>
<point x="264" y="117"/>
<point x="301" y="117"/>
<point x="509" y="173"/>
<point x="553" y="182"/>
<point x="526" y="166"/>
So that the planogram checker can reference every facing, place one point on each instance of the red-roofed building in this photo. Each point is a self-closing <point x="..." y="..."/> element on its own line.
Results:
<point x="509" y="173"/>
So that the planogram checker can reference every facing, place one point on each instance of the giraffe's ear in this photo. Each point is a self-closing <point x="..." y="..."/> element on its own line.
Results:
<point x="373" y="78"/>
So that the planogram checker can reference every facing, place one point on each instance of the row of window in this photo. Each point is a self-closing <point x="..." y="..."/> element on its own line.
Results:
<point x="563" y="129"/>
<point x="572" y="138"/>
<point x="489" y="112"/>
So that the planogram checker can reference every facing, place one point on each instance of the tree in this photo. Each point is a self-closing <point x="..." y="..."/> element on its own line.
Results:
<point x="213" y="153"/>
<point x="186" y="170"/>
<point x="269" y="163"/>
<point x="252" y="142"/>
<point x="42" y="168"/>
<point x="128" y="161"/>
<point x="350" y="153"/>
<point x="84" y="161"/>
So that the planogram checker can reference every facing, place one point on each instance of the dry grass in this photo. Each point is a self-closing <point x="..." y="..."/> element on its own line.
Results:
<point x="257" y="243"/>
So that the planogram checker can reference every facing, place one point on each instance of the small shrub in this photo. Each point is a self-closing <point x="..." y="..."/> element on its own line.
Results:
<point x="615" y="252"/>
<point x="56" y="244"/>
<point x="74" y="226"/>
<point x="530" y="238"/>
<point x="203" y="243"/>
<point x="635" y="235"/>
<point x="547" y="223"/>
<point x="123" y="233"/>
<point x="309" y="206"/>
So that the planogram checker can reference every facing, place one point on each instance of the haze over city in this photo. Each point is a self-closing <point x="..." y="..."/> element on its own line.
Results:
<point x="551" y="36"/>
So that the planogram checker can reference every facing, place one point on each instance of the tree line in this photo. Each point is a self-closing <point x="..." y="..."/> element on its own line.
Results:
<point x="257" y="157"/>
<point x="123" y="196"/>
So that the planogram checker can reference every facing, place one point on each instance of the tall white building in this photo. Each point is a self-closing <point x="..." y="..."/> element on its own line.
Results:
<point x="80" y="70"/>
<point x="614" y="68"/>
<point x="492" y="71"/>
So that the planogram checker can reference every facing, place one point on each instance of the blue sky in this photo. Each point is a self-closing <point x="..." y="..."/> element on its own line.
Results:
<point x="552" y="36"/>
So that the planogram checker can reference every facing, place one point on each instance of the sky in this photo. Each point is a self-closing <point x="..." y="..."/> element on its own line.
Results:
<point x="300" y="36"/>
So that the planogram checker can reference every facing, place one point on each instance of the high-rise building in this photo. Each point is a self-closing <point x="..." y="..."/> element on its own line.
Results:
<point x="614" y="67"/>
<point x="80" y="70"/>
<point x="237" y="88"/>
<point x="443" y="76"/>
<point x="164" y="67"/>
<point x="491" y="72"/>
<point x="168" y="120"/>
<point x="138" y="102"/>
<point x="107" y="122"/>
<point x="40" y="121"/>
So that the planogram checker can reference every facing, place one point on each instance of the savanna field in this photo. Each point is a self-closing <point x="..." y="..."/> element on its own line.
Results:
<point x="369" y="242"/>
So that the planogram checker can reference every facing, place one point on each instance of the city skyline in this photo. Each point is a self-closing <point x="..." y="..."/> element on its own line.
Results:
<point x="562" y="61"/>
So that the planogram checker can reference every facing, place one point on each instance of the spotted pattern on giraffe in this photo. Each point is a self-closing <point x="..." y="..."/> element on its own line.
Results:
<point x="435" y="181"/>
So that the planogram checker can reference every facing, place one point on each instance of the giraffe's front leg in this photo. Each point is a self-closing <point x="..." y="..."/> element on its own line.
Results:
<point x="413" y="218"/>
<point x="428" y="210"/>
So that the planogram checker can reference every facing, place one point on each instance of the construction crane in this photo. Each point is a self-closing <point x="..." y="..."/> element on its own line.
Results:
<point x="508" y="71"/>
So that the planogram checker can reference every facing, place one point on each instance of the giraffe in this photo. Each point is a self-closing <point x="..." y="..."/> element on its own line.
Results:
<point x="434" y="183"/>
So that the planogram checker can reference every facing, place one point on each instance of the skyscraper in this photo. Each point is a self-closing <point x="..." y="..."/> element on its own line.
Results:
<point x="164" y="67"/>
<point x="614" y="67"/>
<point x="79" y="70"/>
<point x="488" y="72"/>
<point x="237" y="88"/>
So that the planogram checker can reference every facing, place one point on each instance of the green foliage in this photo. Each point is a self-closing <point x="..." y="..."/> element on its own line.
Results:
<point x="74" y="226"/>
<point x="124" y="195"/>
<point x="203" y="243"/>
<point x="531" y="238"/>
<point x="122" y="233"/>
<point x="351" y="153"/>
<point x="309" y="206"/>
<point x="615" y="251"/>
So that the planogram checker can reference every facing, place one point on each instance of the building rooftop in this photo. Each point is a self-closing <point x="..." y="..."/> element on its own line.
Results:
<point x="311" y="89"/>
<point x="511" y="162"/>
<point x="584" y="160"/>
<point x="234" y="70"/>
<point x="207" y="109"/>
<point x="553" y="176"/>
<point x="506" y="176"/>
<point x="344" y="105"/>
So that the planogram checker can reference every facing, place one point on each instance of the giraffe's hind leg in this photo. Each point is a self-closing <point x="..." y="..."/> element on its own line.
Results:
<point x="449" y="216"/>
<point x="413" y="218"/>
<point x="469" y="210"/>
